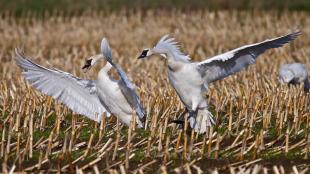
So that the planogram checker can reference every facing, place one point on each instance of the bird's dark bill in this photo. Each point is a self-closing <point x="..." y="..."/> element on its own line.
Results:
<point x="143" y="54"/>
<point x="87" y="64"/>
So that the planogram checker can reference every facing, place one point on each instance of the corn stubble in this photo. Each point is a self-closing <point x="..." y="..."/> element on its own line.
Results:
<point x="261" y="126"/>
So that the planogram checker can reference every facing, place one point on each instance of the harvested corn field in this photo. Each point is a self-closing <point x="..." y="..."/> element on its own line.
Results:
<point x="261" y="126"/>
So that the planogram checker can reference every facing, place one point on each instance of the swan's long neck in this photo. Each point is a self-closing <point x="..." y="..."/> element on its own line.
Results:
<point x="167" y="53"/>
<point x="172" y="52"/>
<point x="103" y="75"/>
<point x="175" y="61"/>
<point x="107" y="67"/>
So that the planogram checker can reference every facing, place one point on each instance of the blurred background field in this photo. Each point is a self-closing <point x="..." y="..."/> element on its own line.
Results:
<point x="262" y="127"/>
<point x="76" y="7"/>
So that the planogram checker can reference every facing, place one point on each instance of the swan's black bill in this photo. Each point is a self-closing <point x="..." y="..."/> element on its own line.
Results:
<point x="87" y="64"/>
<point x="143" y="54"/>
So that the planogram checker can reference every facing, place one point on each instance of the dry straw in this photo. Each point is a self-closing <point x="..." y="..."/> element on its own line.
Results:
<point x="261" y="126"/>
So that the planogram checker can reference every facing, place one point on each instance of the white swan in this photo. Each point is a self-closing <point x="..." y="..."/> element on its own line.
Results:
<point x="191" y="79"/>
<point x="91" y="98"/>
<point x="294" y="73"/>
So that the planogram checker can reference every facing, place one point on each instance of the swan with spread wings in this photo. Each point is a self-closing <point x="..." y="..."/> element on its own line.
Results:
<point x="91" y="98"/>
<point x="191" y="79"/>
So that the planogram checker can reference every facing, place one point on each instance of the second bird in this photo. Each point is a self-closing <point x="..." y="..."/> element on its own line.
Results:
<point x="191" y="79"/>
<point x="293" y="74"/>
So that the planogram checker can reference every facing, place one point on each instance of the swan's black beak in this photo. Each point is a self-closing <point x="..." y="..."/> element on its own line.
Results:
<point x="143" y="54"/>
<point x="87" y="65"/>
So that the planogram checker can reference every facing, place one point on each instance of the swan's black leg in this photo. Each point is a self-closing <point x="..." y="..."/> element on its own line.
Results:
<point x="180" y="121"/>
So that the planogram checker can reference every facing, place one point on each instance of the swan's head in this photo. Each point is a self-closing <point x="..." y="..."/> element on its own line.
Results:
<point x="166" y="47"/>
<point x="160" y="48"/>
<point x="106" y="54"/>
<point x="90" y="62"/>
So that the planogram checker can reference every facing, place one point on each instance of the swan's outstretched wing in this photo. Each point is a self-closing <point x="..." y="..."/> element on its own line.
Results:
<point x="78" y="94"/>
<point x="223" y="65"/>
<point x="127" y="88"/>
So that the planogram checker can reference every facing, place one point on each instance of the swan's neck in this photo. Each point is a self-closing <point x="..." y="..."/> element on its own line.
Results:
<point x="103" y="73"/>
<point x="171" y="52"/>
<point x="173" y="64"/>
<point x="107" y="67"/>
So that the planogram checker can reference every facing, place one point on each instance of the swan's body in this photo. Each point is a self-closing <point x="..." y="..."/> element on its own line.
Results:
<point x="86" y="97"/>
<point x="189" y="86"/>
<point x="294" y="73"/>
<point x="191" y="79"/>
<point x="109" y="90"/>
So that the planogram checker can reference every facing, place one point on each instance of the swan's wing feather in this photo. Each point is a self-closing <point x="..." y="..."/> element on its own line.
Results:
<point x="106" y="50"/>
<point x="223" y="65"/>
<point x="128" y="90"/>
<point x="78" y="94"/>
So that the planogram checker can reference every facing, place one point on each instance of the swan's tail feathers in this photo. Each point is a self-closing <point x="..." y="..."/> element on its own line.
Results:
<point x="203" y="119"/>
